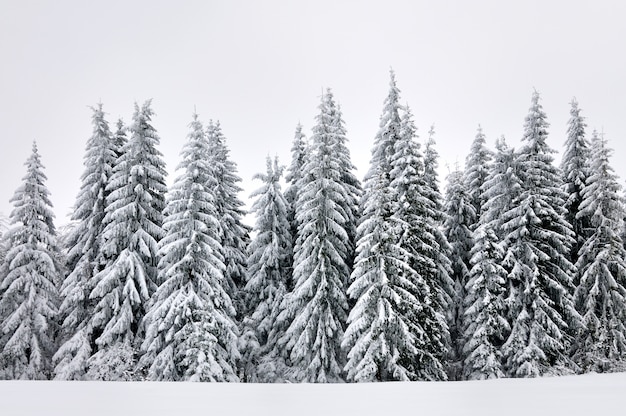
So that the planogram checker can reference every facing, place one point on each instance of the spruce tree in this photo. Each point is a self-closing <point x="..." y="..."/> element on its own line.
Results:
<point x="501" y="188"/>
<point x="419" y="219"/>
<point x="293" y="176"/>
<point x="601" y="295"/>
<point x="235" y="234"/>
<point x="349" y="181"/>
<point x="396" y="329"/>
<point x="83" y="247"/>
<point x="460" y="217"/>
<point x="133" y="228"/>
<point x="575" y="168"/>
<point x="379" y="335"/>
<point x="538" y="240"/>
<point x="477" y="164"/>
<point x="316" y="309"/>
<point x="269" y="264"/>
<point x="486" y="324"/>
<point x="29" y="298"/>
<point x="190" y="329"/>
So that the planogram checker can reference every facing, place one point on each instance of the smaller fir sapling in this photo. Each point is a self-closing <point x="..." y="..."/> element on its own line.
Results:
<point x="31" y="272"/>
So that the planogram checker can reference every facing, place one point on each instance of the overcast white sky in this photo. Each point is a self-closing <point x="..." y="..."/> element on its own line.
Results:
<point x="260" y="66"/>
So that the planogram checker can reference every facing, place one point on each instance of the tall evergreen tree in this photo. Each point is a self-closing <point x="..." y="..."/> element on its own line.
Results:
<point x="29" y="298"/>
<point x="502" y="187"/>
<point x="460" y="217"/>
<point x="379" y="336"/>
<point x="349" y="181"/>
<point x="83" y="248"/>
<point x="133" y="228"/>
<point x="436" y="216"/>
<point x="538" y="240"/>
<point x="486" y="324"/>
<point x="575" y="167"/>
<point x="235" y="234"/>
<point x="293" y="177"/>
<point x="476" y="172"/>
<point x="316" y="309"/>
<point x="269" y="264"/>
<point x="396" y="327"/>
<point x="417" y="215"/>
<point x="601" y="295"/>
<point x="190" y="329"/>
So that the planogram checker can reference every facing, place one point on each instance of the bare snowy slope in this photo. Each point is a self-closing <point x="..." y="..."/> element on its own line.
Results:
<point x="592" y="394"/>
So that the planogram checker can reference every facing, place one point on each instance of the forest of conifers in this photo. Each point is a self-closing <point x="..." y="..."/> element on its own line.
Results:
<point x="516" y="269"/>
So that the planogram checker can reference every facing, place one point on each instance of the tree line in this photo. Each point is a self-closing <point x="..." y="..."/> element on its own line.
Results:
<point x="517" y="269"/>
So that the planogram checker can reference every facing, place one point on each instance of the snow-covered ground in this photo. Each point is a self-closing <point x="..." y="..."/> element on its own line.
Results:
<point x="592" y="394"/>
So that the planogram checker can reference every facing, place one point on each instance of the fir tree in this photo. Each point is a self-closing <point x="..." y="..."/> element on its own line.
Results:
<point x="133" y="228"/>
<point x="460" y="217"/>
<point x="269" y="263"/>
<point x="538" y="240"/>
<point x="379" y="336"/>
<point x="83" y="247"/>
<point x="349" y="181"/>
<point x="316" y="309"/>
<point x="396" y="328"/>
<point x="431" y="165"/>
<point x="501" y="189"/>
<point x="235" y="234"/>
<point x="190" y="328"/>
<point x="31" y="269"/>
<point x="417" y="215"/>
<point x="601" y="295"/>
<point x="293" y="177"/>
<point x="476" y="172"/>
<point x="575" y="167"/>
<point x="485" y="316"/>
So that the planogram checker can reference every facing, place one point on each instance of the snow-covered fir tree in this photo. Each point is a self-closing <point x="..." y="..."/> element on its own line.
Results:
<point x="436" y="215"/>
<point x="538" y="240"/>
<point x="293" y="177"/>
<point x="235" y="234"/>
<point x="316" y="310"/>
<point x="379" y="336"/>
<point x="31" y="271"/>
<point x="190" y="328"/>
<point x="601" y="294"/>
<point x="460" y="217"/>
<point x="395" y="331"/>
<point x="431" y="167"/>
<point x="486" y="324"/>
<point x="477" y="165"/>
<point x="575" y="168"/>
<point x="419" y="219"/>
<point x="133" y="228"/>
<point x="269" y="265"/>
<point x="501" y="188"/>
<point x="83" y="246"/>
<point x="351" y="184"/>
